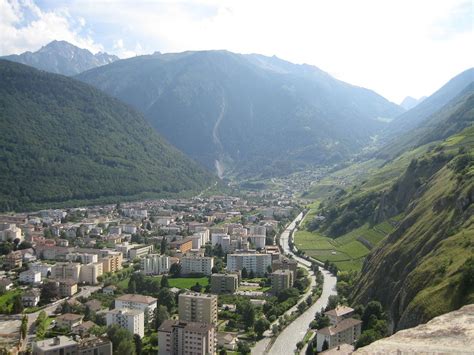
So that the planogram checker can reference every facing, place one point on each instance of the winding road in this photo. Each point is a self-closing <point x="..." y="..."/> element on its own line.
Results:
<point x="285" y="342"/>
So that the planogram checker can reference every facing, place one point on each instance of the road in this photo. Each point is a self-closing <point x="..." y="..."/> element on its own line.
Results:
<point x="285" y="343"/>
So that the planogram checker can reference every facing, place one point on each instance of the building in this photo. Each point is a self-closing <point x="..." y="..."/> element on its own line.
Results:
<point x="224" y="283"/>
<point x="339" y="313"/>
<point x="13" y="260"/>
<point x="258" y="263"/>
<point x="84" y="258"/>
<point x="155" y="264"/>
<point x="69" y="320"/>
<point x="90" y="273"/>
<point x="9" y="231"/>
<point x="284" y="263"/>
<point x="258" y="230"/>
<point x="112" y="262"/>
<point x="30" y="298"/>
<point x="258" y="241"/>
<point x="62" y="345"/>
<point x="281" y="280"/>
<point x="346" y="331"/>
<point x="131" y="319"/>
<point x="221" y="239"/>
<point x="140" y="302"/>
<point x="30" y="277"/>
<point x="197" y="241"/>
<point x="197" y="307"/>
<point x="66" y="271"/>
<point x="178" y="337"/>
<point x="197" y="265"/>
<point x="44" y="269"/>
<point x="183" y="245"/>
<point x="67" y="287"/>
<point x="140" y="251"/>
<point x="55" y="346"/>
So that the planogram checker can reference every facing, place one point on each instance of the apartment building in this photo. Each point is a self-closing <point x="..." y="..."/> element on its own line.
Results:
<point x="66" y="271"/>
<point x="43" y="269"/>
<point x="258" y="263"/>
<point x="183" y="245"/>
<point x="140" y="251"/>
<point x="155" y="264"/>
<point x="67" y="287"/>
<point x="84" y="258"/>
<point x="346" y="331"/>
<point x="224" y="283"/>
<point x="13" y="260"/>
<point x="197" y="265"/>
<point x="131" y="319"/>
<point x="30" y="277"/>
<point x="65" y="346"/>
<point x="112" y="262"/>
<point x="258" y="241"/>
<point x="284" y="263"/>
<point x="281" y="280"/>
<point x="177" y="337"/>
<point x="339" y="313"/>
<point x="197" y="307"/>
<point x="139" y="302"/>
<point x="90" y="273"/>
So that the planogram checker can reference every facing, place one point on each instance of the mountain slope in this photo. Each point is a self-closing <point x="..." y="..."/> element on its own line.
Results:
<point x="452" y="118"/>
<point x="247" y="113"/>
<point x="61" y="57"/>
<point x="417" y="115"/>
<point x="64" y="141"/>
<point x="409" y="102"/>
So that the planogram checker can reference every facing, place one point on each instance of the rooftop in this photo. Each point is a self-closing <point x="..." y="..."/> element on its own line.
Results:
<point x="70" y="316"/>
<point x="169" y="324"/>
<point x="137" y="298"/>
<point x="340" y="327"/>
<point x="339" y="311"/>
<point x="52" y="343"/>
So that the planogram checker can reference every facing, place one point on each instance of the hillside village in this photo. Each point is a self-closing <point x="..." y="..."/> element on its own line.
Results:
<point x="145" y="276"/>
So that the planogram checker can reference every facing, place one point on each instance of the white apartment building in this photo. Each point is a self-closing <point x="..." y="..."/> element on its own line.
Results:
<point x="258" y="263"/>
<point x="197" y="241"/>
<point x="131" y="319"/>
<point x="30" y="277"/>
<point x="258" y="230"/>
<point x="197" y="265"/>
<point x="84" y="258"/>
<point x="139" y="302"/>
<point x="222" y="239"/>
<point x="9" y="231"/>
<point x="42" y="268"/>
<point x="155" y="264"/>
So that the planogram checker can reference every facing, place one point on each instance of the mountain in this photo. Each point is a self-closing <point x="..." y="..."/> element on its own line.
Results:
<point x="65" y="142"/>
<point x="417" y="115"/>
<point x="409" y="102"/>
<point x="61" y="57"/>
<point x="247" y="114"/>
<point x="452" y="118"/>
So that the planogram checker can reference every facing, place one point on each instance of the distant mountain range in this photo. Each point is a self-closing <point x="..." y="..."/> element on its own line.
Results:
<point x="247" y="114"/>
<point x="64" y="142"/>
<point x="409" y="102"/>
<point x="61" y="57"/>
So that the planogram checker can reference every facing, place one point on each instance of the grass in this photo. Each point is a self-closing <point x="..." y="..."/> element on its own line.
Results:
<point x="123" y="284"/>
<point x="187" y="282"/>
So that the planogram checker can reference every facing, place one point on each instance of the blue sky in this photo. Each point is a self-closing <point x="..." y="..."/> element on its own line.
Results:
<point x="397" y="48"/>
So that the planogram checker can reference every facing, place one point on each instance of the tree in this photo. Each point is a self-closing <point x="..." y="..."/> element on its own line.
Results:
<point x="325" y="345"/>
<point x="164" y="281"/>
<point x="175" y="270"/>
<point x="243" y="347"/>
<point x="374" y="308"/>
<point x="24" y="245"/>
<point x="161" y="314"/>
<point x="132" y="286"/>
<point x="166" y="298"/>
<point x="122" y="340"/>
<point x="197" y="287"/>
<point x="24" y="326"/>
<point x="163" y="245"/>
<point x="333" y="301"/>
<point x="49" y="292"/>
<point x="138" y="344"/>
<point x="261" y="326"/>
<point x="223" y="352"/>
<point x="17" y="305"/>
<point x="247" y="311"/>
<point x="244" y="273"/>
<point x="251" y="274"/>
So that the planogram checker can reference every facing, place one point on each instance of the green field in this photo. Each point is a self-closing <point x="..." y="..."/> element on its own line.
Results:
<point x="187" y="282"/>
<point x="347" y="252"/>
<point x="6" y="300"/>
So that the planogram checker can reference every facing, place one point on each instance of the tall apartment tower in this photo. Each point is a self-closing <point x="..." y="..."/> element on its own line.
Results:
<point x="197" y="307"/>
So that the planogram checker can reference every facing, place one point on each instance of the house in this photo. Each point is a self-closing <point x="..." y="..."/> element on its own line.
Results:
<point x="30" y="298"/>
<point x="109" y="290"/>
<point x="227" y="340"/>
<point x="67" y="287"/>
<point x="346" y="331"/>
<point x="13" y="260"/>
<point x="94" y="305"/>
<point x="83" y="328"/>
<point x="339" y="313"/>
<point x="69" y="320"/>
<point x="140" y="302"/>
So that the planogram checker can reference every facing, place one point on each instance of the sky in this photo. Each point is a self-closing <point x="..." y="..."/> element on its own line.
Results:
<point x="397" y="48"/>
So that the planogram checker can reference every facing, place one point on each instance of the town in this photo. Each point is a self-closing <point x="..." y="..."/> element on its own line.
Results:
<point x="185" y="276"/>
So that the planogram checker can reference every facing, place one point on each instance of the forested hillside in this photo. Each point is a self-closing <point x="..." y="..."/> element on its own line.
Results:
<point x="64" y="142"/>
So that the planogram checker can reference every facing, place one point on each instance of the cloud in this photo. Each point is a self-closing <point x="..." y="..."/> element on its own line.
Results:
<point x="25" y="27"/>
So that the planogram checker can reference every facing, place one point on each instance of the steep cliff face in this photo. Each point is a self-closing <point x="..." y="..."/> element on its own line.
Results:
<point x="422" y="269"/>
